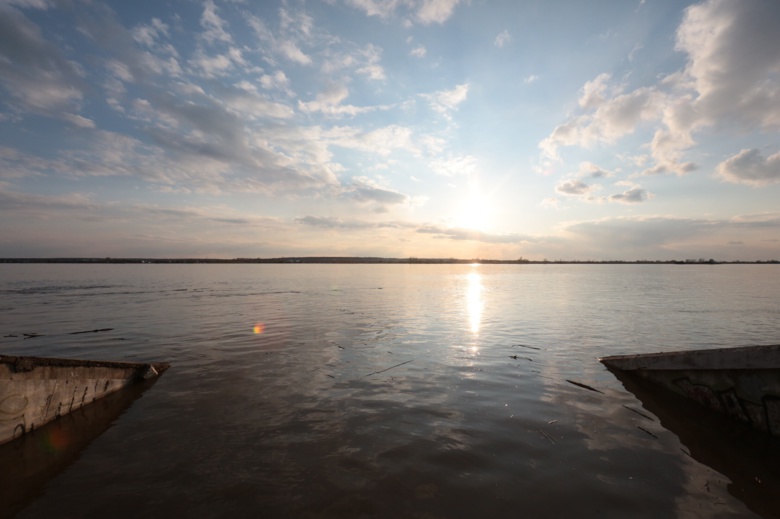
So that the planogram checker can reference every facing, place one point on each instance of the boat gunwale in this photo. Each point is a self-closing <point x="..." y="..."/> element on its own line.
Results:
<point x="736" y="358"/>
<point x="27" y="363"/>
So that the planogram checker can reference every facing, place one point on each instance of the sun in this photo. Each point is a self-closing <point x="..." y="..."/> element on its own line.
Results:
<point x="474" y="213"/>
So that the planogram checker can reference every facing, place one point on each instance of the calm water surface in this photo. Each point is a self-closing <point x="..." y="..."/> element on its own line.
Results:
<point x="427" y="391"/>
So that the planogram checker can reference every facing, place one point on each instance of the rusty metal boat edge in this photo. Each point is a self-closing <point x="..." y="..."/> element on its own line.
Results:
<point x="37" y="390"/>
<point x="742" y="382"/>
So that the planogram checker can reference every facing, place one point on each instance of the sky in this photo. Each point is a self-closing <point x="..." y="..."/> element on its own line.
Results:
<point x="495" y="129"/>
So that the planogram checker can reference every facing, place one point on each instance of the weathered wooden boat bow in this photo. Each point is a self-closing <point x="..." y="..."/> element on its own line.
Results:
<point x="37" y="390"/>
<point x="743" y="382"/>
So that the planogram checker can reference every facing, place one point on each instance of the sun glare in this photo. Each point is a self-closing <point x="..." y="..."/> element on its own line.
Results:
<point x="475" y="214"/>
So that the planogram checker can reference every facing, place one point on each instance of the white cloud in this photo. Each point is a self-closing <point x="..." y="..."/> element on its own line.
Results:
<point x="502" y="39"/>
<point x="211" y="66"/>
<point x="421" y="11"/>
<point x="215" y="27"/>
<point x="382" y="141"/>
<point x="732" y="77"/>
<point x="594" y="91"/>
<point x="750" y="167"/>
<point x="277" y="80"/>
<point x="459" y="165"/>
<point x="434" y="11"/>
<point x="734" y="61"/>
<point x="418" y="52"/>
<point x="445" y="101"/>
<point x="78" y="120"/>
<point x="148" y="35"/>
<point x="290" y="50"/>
<point x="329" y="102"/>
<point x="532" y="78"/>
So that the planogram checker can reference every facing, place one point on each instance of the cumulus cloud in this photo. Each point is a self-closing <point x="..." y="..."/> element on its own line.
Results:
<point x="731" y="78"/>
<point x="589" y="169"/>
<point x="573" y="188"/>
<point x="734" y="61"/>
<point x="594" y="91"/>
<point x="632" y="196"/>
<point x="750" y="167"/>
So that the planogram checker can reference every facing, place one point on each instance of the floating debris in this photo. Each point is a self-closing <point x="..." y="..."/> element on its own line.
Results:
<point x="585" y="386"/>
<point x="648" y="432"/>
<point x="92" y="331"/>
<point x="387" y="369"/>
<point x="552" y="440"/>
<point x="639" y="413"/>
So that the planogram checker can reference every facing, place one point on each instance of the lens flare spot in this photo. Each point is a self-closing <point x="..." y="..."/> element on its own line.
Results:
<point x="259" y="328"/>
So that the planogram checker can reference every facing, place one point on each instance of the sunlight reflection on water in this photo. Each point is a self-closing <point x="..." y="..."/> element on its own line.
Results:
<point x="474" y="300"/>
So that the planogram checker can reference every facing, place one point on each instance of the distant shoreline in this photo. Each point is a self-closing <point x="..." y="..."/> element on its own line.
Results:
<point x="374" y="260"/>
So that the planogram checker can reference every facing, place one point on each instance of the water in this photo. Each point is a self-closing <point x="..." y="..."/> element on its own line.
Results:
<point x="386" y="390"/>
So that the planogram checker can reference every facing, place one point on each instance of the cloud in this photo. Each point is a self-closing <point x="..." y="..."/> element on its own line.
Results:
<point x="452" y="233"/>
<point x="215" y="28"/>
<point x="594" y="91"/>
<point x="149" y="35"/>
<point x="78" y="120"/>
<point x="457" y="165"/>
<point x="424" y="12"/>
<point x="33" y="71"/>
<point x="381" y="141"/>
<point x="647" y="233"/>
<point x="418" y="52"/>
<point x="435" y="11"/>
<point x="290" y="50"/>
<point x="574" y="188"/>
<point x="446" y="101"/>
<point x="731" y="78"/>
<point x="733" y="60"/>
<point x="502" y="39"/>
<point x="750" y="167"/>
<point x="530" y="79"/>
<point x="328" y="102"/>
<point x="365" y="190"/>
<point x="632" y="196"/>
<point x="589" y="169"/>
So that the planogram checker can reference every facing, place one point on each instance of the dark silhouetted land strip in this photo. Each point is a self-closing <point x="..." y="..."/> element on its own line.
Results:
<point x="347" y="259"/>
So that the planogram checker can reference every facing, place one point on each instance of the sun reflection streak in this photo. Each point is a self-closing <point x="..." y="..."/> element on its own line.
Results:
<point x="474" y="301"/>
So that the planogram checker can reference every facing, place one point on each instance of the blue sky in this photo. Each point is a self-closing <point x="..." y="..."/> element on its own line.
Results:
<point x="601" y="130"/>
